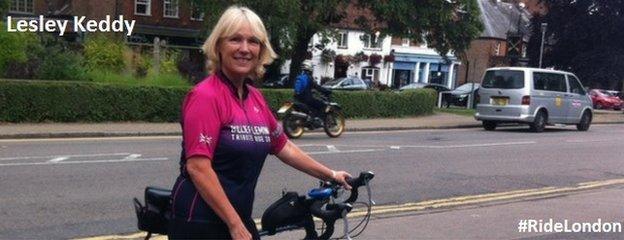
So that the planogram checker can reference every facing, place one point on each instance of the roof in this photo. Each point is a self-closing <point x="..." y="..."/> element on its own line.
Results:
<point x="531" y="69"/>
<point x="500" y="17"/>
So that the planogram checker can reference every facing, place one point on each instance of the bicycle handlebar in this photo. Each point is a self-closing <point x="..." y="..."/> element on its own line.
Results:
<point x="330" y="212"/>
<point x="333" y="211"/>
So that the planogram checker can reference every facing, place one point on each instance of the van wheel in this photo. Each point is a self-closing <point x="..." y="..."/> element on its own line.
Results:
<point x="585" y="122"/>
<point x="539" y="123"/>
<point x="489" y="125"/>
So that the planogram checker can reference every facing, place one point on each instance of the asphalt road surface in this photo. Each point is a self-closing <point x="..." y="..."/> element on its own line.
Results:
<point x="68" y="188"/>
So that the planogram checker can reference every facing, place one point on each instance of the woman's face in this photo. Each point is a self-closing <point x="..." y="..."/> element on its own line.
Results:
<point x="239" y="53"/>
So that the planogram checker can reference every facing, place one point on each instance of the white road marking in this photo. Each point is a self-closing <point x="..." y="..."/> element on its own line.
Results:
<point x="87" y="161"/>
<point x="464" y="145"/>
<point x="69" y="156"/>
<point x="58" y="159"/>
<point x="590" y="140"/>
<point x="332" y="148"/>
<point x="346" y="151"/>
<point x="90" y="139"/>
<point x="132" y="156"/>
<point x="395" y="147"/>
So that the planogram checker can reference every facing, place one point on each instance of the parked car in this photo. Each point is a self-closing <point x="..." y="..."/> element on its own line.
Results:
<point x="276" y="83"/>
<point x="602" y="99"/>
<point x="348" y="83"/>
<point x="459" y="96"/>
<point x="534" y="96"/>
<point x="418" y="85"/>
<point x="437" y="87"/>
<point x="616" y="93"/>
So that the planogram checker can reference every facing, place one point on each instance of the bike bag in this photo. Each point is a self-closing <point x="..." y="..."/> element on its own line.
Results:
<point x="154" y="216"/>
<point x="287" y="211"/>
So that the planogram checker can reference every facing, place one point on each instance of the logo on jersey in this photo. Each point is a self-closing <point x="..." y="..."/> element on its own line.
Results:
<point x="205" y="139"/>
<point x="256" y="109"/>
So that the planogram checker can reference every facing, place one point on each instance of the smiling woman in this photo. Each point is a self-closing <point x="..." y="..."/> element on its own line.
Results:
<point x="228" y="130"/>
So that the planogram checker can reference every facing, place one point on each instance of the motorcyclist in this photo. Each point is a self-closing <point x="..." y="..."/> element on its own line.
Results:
<point x="303" y="90"/>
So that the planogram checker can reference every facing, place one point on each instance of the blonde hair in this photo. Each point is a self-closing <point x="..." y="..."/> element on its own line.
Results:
<point x="230" y="22"/>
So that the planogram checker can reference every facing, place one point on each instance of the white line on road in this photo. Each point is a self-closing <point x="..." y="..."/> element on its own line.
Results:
<point x="590" y="140"/>
<point x="464" y="145"/>
<point x="77" y="162"/>
<point x="347" y="151"/>
<point x="90" y="139"/>
<point x="332" y="148"/>
<point x="132" y="156"/>
<point x="58" y="159"/>
<point x="54" y="156"/>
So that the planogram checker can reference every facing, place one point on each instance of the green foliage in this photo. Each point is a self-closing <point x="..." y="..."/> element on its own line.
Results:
<point x="59" y="64"/>
<point x="16" y="47"/>
<point x="169" y="61"/>
<point x="584" y="37"/>
<point x="152" y="79"/>
<point x="4" y="8"/>
<point x="446" y="25"/>
<point x="104" y="53"/>
<point x="39" y="101"/>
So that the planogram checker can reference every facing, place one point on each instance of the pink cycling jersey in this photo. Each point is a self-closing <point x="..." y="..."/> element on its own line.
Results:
<point x="235" y="134"/>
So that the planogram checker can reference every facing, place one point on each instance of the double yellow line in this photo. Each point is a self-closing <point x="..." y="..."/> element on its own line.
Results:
<point x="435" y="204"/>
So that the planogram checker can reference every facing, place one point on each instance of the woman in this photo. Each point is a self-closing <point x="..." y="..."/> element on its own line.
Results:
<point x="228" y="131"/>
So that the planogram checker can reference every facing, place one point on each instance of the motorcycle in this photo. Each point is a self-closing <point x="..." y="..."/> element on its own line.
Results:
<point x="297" y="117"/>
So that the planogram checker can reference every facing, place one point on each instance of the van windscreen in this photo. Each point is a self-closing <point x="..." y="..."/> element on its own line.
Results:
<point x="504" y="79"/>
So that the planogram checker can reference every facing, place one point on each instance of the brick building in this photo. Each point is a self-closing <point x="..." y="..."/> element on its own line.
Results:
<point x="175" y="23"/>
<point x="501" y="19"/>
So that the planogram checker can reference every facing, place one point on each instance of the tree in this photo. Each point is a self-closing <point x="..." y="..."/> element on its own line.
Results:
<point x="447" y="25"/>
<point x="4" y="8"/>
<point x="584" y="37"/>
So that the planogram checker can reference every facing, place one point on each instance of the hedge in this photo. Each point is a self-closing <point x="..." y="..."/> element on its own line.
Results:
<point x="40" y="101"/>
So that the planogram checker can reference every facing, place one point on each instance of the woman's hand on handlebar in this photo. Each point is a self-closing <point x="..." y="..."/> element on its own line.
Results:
<point x="341" y="177"/>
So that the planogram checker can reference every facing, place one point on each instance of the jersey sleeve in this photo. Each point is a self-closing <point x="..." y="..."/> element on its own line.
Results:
<point x="201" y="125"/>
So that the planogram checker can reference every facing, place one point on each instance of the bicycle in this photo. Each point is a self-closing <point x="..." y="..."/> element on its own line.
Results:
<point x="291" y="212"/>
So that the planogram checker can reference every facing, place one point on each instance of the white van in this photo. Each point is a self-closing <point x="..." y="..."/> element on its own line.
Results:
<point x="534" y="96"/>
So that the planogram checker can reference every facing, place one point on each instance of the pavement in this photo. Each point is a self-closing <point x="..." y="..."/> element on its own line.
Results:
<point x="438" y="120"/>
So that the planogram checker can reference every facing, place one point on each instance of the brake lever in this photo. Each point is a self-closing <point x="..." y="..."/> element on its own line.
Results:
<point x="369" y="193"/>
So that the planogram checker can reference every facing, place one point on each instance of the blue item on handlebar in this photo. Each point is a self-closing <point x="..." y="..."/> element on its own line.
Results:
<point x="320" y="193"/>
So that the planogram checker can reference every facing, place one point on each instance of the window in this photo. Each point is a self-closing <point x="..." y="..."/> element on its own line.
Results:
<point x="370" y="74"/>
<point x="497" y="49"/>
<point x="371" y="41"/>
<point x="142" y="7"/>
<point x="171" y="8"/>
<point x="575" y="85"/>
<point x="405" y="42"/>
<point x="21" y="6"/>
<point x="549" y="82"/>
<point x="504" y="79"/>
<point x="197" y="13"/>
<point x="343" y="39"/>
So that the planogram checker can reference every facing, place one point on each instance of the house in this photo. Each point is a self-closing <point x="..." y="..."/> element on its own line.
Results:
<point x="385" y="60"/>
<point x="171" y="24"/>
<point x="503" y="41"/>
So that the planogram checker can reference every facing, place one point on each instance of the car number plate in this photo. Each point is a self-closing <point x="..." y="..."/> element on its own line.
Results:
<point x="500" y="101"/>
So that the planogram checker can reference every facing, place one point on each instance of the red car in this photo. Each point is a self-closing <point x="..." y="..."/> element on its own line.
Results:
<point x="604" y="100"/>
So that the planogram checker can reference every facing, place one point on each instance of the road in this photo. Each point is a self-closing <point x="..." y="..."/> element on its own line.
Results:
<point x="67" y="188"/>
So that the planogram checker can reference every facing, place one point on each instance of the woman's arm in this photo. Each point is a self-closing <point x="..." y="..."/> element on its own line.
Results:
<point x="295" y="157"/>
<point x="205" y="180"/>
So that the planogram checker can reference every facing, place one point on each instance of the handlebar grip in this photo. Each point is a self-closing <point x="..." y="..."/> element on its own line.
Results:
<point x="360" y="180"/>
<point x="355" y="183"/>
